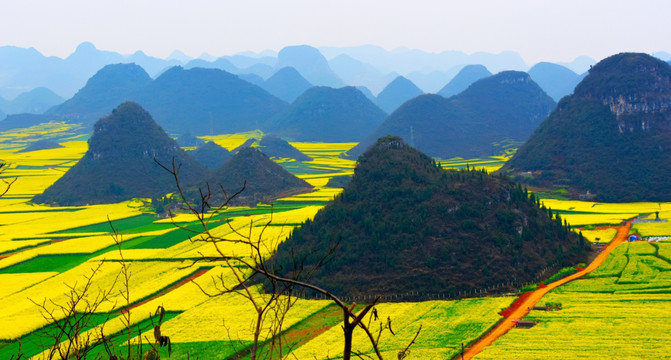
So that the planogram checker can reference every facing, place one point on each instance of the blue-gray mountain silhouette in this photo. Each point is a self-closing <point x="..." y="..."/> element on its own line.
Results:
<point x="327" y="114"/>
<point x="466" y="76"/>
<point x="396" y="93"/>
<point x="286" y="84"/>
<point x="556" y="80"/>
<point x="310" y="63"/>
<point x="504" y="107"/>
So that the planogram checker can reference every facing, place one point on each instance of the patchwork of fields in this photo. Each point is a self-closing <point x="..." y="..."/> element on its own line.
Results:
<point x="620" y="311"/>
<point x="43" y="249"/>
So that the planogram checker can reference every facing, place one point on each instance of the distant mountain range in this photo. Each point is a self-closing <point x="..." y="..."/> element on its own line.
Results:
<point x="501" y="109"/>
<point x="609" y="141"/>
<point x="310" y="63"/>
<point x="104" y="91"/>
<point x="198" y="101"/>
<point x="286" y="84"/>
<point x="35" y="101"/>
<point x="369" y="66"/>
<point x="556" y="80"/>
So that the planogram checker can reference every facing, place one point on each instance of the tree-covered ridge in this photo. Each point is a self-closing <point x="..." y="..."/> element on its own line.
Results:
<point x="404" y="224"/>
<point x="609" y="140"/>
<point x="119" y="164"/>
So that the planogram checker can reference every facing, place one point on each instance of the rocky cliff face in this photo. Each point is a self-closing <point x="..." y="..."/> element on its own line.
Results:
<point x="630" y="84"/>
<point x="610" y="139"/>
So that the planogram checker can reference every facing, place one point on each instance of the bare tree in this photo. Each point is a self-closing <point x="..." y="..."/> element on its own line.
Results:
<point x="280" y="288"/>
<point x="71" y="319"/>
<point x="125" y="291"/>
<point x="6" y="184"/>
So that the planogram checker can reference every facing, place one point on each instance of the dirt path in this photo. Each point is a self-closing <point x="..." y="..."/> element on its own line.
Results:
<point x="536" y="295"/>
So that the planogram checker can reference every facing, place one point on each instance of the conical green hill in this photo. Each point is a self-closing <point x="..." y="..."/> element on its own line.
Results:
<point x="403" y="224"/>
<point x="119" y="164"/>
<point x="266" y="180"/>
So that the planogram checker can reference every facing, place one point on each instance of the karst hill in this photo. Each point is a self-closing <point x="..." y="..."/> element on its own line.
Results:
<point x="609" y="141"/>
<point x="119" y="164"/>
<point x="263" y="179"/>
<point x="404" y="224"/>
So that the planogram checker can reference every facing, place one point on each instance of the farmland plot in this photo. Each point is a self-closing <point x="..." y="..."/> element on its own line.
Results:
<point x="620" y="311"/>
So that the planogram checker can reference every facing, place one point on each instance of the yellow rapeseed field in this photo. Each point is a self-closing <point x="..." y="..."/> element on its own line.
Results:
<point x="602" y="236"/>
<point x="232" y="141"/>
<point x="445" y="325"/>
<point x="229" y="316"/>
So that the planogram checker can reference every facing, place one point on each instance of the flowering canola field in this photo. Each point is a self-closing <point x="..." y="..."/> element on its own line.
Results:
<point x="44" y="249"/>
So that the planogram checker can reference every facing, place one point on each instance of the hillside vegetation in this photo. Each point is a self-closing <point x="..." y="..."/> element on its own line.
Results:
<point x="404" y="224"/>
<point x="119" y="164"/>
<point x="610" y="138"/>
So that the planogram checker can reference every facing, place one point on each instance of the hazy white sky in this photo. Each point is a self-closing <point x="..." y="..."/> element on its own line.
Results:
<point x="540" y="30"/>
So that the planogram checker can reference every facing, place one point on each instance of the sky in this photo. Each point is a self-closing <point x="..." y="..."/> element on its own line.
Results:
<point x="539" y="30"/>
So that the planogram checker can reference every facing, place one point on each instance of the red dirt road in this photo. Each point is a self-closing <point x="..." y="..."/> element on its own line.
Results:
<point x="536" y="295"/>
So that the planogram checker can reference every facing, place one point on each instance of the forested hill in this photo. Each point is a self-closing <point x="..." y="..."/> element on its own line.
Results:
<point x="610" y="138"/>
<point x="404" y="224"/>
<point x="119" y="164"/>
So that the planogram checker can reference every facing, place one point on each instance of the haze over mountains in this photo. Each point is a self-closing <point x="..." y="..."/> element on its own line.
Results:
<point x="369" y="66"/>
<point x="466" y="76"/>
<point x="396" y="93"/>
<point x="213" y="101"/>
